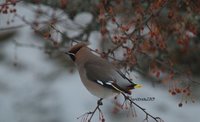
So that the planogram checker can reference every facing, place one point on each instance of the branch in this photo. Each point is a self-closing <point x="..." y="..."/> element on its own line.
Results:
<point x="49" y="50"/>
<point x="26" y="24"/>
<point x="137" y="29"/>
<point x="110" y="51"/>
<point x="85" y="117"/>
<point x="170" y="68"/>
<point x="52" y="40"/>
<point x="157" y="119"/>
<point x="11" y="28"/>
<point x="10" y="2"/>
<point x="74" y="40"/>
<point x="32" y="26"/>
<point x="148" y="19"/>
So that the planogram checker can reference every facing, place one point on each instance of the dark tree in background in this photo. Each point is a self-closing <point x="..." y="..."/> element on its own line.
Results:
<point x="160" y="39"/>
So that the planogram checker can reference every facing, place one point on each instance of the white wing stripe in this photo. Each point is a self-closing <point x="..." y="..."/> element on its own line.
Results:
<point x="100" y="82"/>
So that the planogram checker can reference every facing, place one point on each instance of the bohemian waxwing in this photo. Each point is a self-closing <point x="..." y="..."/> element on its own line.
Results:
<point x="99" y="76"/>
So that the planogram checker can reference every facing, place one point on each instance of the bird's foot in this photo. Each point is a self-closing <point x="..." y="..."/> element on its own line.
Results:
<point x="99" y="102"/>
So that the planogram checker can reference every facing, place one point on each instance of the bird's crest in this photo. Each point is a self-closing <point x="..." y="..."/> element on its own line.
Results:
<point x="74" y="49"/>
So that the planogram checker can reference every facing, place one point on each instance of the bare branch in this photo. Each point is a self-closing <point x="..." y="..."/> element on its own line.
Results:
<point x="87" y="117"/>
<point x="26" y="24"/>
<point x="157" y="119"/>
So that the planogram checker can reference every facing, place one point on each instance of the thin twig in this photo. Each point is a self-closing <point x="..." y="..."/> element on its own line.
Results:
<point x="148" y="18"/>
<point x="12" y="28"/>
<point x="157" y="119"/>
<point x="10" y="3"/>
<point x="23" y="25"/>
<point x="169" y="68"/>
<point x="91" y="113"/>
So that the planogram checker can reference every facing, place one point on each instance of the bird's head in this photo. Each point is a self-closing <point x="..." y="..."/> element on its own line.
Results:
<point x="74" y="49"/>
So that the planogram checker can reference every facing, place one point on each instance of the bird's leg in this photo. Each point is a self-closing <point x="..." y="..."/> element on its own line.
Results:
<point x="99" y="102"/>
<point x="101" y="116"/>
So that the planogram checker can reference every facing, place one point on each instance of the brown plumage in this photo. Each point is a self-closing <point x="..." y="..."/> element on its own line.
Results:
<point x="99" y="76"/>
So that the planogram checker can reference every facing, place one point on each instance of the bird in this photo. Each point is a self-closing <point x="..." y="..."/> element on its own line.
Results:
<point x="99" y="76"/>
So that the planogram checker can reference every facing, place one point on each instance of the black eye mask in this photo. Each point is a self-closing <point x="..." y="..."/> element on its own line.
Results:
<point x="71" y="55"/>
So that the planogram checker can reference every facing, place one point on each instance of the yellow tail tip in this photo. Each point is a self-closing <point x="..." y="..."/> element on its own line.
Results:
<point x="137" y="86"/>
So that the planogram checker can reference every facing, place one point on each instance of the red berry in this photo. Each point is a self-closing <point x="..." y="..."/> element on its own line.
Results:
<point x="173" y="93"/>
<point x="177" y="90"/>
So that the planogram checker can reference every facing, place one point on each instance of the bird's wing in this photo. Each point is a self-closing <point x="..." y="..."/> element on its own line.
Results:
<point x="101" y="72"/>
<point x="124" y="76"/>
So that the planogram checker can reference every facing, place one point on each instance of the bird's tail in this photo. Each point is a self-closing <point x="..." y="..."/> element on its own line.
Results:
<point x="133" y="86"/>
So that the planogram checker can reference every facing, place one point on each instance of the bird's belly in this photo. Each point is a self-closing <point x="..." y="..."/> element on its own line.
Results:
<point x="97" y="89"/>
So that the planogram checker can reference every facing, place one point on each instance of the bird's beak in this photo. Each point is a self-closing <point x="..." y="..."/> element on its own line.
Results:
<point x="66" y="52"/>
<point x="71" y="55"/>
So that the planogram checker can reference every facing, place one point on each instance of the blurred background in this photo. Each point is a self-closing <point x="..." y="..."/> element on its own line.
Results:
<point x="38" y="83"/>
